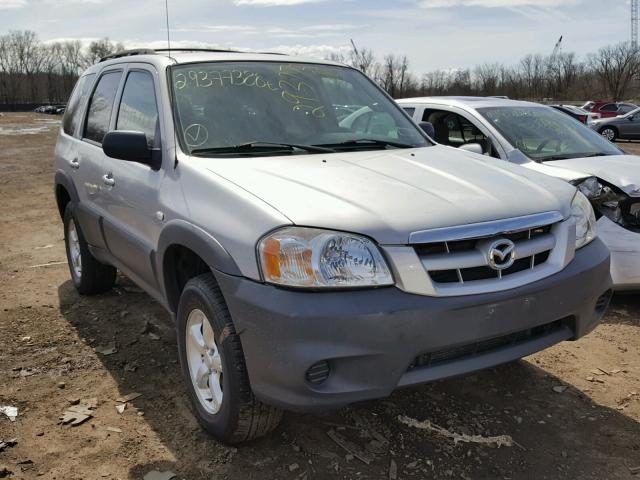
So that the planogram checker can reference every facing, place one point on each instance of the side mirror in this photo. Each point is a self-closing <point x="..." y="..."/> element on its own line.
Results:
<point x="473" y="148"/>
<point x="129" y="146"/>
<point x="427" y="127"/>
<point x="631" y="118"/>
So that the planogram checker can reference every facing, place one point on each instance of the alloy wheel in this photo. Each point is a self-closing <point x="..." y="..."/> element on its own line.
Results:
<point x="204" y="361"/>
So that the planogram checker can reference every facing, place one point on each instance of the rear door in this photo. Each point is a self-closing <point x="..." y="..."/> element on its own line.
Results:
<point x="89" y="156"/>
<point x="130" y="192"/>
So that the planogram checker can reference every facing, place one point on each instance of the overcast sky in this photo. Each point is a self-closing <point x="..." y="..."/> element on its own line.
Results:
<point x="432" y="33"/>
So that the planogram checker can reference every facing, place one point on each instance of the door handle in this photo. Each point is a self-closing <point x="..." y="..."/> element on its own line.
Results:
<point x="108" y="179"/>
<point x="75" y="164"/>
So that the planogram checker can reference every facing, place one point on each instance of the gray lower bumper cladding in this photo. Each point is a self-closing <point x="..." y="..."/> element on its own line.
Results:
<point x="321" y="350"/>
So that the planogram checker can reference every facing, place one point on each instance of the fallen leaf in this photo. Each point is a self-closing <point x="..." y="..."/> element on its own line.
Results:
<point x="129" y="397"/>
<point x="107" y="349"/>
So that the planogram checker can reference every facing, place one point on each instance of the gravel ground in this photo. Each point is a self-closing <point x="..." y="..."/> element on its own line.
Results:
<point x="570" y="412"/>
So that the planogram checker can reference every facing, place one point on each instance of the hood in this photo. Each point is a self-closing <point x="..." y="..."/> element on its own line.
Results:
<point x="623" y="171"/>
<point x="391" y="193"/>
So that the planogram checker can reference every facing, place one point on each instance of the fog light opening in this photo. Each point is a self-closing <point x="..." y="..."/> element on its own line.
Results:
<point x="603" y="302"/>
<point x="318" y="373"/>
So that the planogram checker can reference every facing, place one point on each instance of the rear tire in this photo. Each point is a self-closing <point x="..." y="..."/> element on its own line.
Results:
<point x="214" y="369"/>
<point x="609" y="133"/>
<point x="88" y="274"/>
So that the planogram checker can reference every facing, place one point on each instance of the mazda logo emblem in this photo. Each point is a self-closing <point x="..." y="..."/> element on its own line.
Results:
<point x="501" y="254"/>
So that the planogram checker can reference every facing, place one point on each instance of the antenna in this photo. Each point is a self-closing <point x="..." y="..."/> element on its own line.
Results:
<point x="166" y="10"/>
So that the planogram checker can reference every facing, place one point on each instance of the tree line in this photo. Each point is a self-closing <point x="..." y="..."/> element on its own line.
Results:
<point x="32" y="71"/>
<point x="611" y="73"/>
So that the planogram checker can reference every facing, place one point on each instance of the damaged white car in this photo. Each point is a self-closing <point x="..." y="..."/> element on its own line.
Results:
<point x="540" y="138"/>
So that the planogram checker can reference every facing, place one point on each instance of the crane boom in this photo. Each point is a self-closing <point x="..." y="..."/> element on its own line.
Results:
<point x="558" y="46"/>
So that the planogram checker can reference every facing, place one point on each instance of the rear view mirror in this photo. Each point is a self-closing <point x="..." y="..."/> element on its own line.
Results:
<point x="130" y="146"/>
<point x="473" y="148"/>
<point x="427" y="127"/>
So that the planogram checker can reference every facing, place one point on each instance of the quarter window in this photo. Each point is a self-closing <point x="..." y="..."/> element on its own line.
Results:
<point x="101" y="105"/>
<point x="138" y="108"/>
<point x="73" y="112"/>
<point x="410" y="111"/>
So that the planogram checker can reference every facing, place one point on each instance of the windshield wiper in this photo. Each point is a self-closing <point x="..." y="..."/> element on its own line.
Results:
<point x="366" y="142"/>
<point x="262" y="147"/>
<point x="575" y="155"/>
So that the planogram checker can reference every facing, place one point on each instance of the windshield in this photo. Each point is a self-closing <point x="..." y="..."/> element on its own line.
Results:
<point x="632" y="113"/>
<point x="228" y="108"/>
<point x="542" y="133"/>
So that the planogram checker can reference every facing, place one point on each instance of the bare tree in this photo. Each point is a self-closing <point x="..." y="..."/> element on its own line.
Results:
<point x="616" y="66"/>
<point x="101" y="48"/>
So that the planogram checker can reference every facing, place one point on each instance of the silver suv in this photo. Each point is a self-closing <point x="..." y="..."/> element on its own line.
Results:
<point x="312" y="243"/>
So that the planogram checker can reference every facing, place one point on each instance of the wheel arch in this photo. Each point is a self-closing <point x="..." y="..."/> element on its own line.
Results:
<point x="65" y="191"/>
<point x="612" y="127"/>
<point x="185" y="251"/>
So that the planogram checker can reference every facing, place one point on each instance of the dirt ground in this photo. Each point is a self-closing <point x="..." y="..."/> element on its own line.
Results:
<point x="51" y="339"/>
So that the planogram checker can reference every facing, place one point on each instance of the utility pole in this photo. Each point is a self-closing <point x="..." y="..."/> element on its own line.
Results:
<point x="634" y="23"/>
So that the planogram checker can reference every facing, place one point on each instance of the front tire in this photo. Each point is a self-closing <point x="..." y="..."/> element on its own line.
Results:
<point x="213" y="367"/>
<point x="88" y="274"/>
<point x="609" y="133"/>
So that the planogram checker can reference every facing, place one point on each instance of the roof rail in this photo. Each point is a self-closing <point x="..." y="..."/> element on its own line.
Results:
<point x="128" y="53"/>
<point x="187" y="49"/>
<point x="213" y="50"/>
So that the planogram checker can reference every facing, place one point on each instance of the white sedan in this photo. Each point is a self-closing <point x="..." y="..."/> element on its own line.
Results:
<point x="543" y="139"/>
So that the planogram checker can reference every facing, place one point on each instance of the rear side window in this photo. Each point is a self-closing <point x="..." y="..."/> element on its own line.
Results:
<point x="73" y="113"/>
<point x="101" y="105"/>
<point x="138" y="108"/>
<point x="609" y="107"/>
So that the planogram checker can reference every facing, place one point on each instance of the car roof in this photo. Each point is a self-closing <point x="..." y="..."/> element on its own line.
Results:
<point x="469" y="102"/>
<point x="162" y="58"/>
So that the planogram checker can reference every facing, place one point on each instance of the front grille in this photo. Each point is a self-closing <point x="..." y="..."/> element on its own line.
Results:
<point x="485" y="346"/>
<point x="461" y="261"/>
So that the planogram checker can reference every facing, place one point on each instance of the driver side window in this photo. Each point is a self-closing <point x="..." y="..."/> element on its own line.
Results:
<point x="455" y="131"/>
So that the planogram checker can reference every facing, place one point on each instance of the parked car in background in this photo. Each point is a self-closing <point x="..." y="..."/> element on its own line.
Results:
<point x="311" y="261"/>
<point x="625" y="127"/>
<point x="543" y="139"/>
<point x="51" y="109"/>
<point x="610" y="109"/>
<point x="576" y="112"/>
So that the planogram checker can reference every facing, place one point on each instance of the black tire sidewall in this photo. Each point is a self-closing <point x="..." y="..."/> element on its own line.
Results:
<point x="196" y="295"/>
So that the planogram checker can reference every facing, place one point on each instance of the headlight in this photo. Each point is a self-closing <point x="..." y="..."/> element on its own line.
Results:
<point x="582" y="211"/>
<point x="310" y="257"/>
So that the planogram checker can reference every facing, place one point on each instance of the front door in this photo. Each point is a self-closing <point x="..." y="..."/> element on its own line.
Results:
<point x="132" y="221"/>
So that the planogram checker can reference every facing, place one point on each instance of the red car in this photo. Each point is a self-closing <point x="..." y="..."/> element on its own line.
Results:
<point x="607" y="109"/>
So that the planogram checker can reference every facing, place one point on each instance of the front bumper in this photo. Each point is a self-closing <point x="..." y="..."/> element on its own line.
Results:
<point x="370" y="338"/>
<point x="625" y="254"/>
